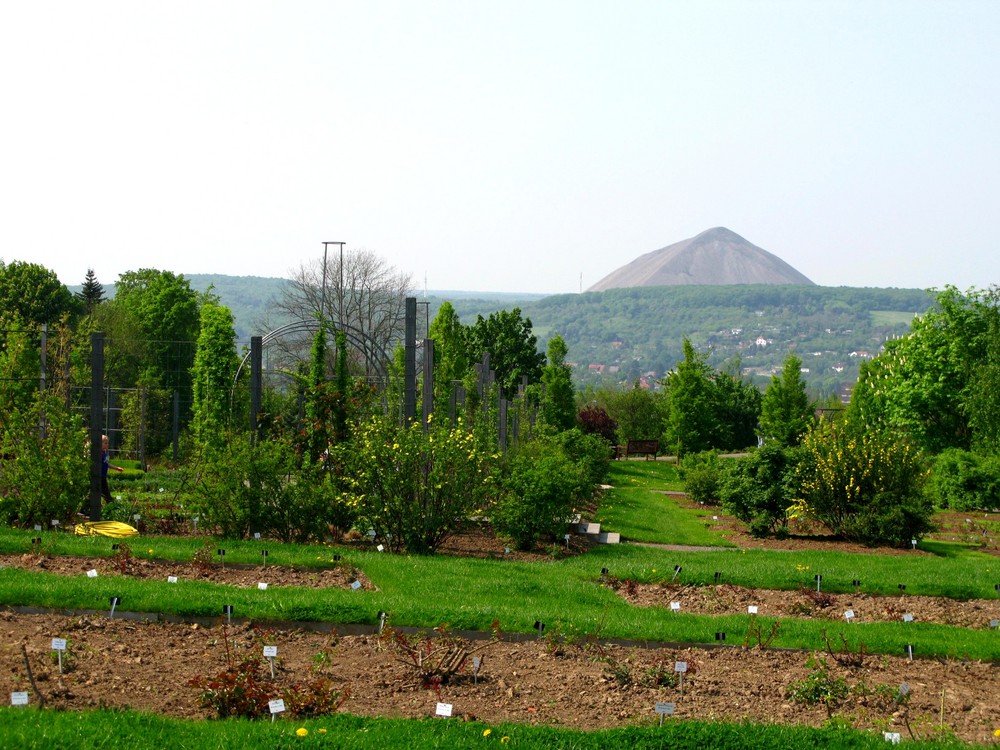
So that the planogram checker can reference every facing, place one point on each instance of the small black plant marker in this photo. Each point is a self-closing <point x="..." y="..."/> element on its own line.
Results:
<point x="718" y="577"/>
<point x="263" y="554"/>
<point x="677" y="572"/>
<point x="540" y="627"/>
<point x="902" y="587"/>
<point x="222" y="556"/>
<point x="336" y="558"/>
<point x="227" y="610"/>
<point x="604" y="573"/>
<point x="856" y="583"/>
<point x="819" y="580"/>
<point x="909" y="651"/>
<point x="720" y="636"/>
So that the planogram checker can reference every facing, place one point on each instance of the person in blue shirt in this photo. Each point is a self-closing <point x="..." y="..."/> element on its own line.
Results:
<point x="105" y="465"/>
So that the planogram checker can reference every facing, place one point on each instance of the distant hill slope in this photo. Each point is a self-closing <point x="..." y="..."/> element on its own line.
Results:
<point x="715" y="257"/>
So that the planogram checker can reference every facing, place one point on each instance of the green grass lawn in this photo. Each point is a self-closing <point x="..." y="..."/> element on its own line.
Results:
<point x="470" y="594"/>
<point x="638" y="509"/>
<point x="29" y="728"/>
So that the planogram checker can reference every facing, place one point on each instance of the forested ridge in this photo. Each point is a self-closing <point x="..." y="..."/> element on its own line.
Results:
<point x="633" y="332"/>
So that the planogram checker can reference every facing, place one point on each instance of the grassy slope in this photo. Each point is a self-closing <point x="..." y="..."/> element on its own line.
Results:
<point x="637" y="508"/>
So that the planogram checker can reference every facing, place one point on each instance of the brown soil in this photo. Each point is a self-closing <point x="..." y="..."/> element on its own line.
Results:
<point x="148" y="665"/>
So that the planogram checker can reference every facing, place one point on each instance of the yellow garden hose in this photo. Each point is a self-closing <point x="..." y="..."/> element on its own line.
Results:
<point x="115" y="529"/>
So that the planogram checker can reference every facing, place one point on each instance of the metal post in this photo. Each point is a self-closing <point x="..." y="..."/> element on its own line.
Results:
<point x="428" y="394"/>
<point x="43" y="344"/>
<point x="96" y="409"/>
<point x="177" y="423"/>
<point x="256" y="365"/>
<point x="340" y="292"/>
<point x="410" y="362"/>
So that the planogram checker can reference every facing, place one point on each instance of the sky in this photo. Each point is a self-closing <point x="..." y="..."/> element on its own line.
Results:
<point x="501" y="146"/>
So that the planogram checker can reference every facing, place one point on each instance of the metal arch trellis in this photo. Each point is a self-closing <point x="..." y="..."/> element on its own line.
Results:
<point x="374" y="354"/>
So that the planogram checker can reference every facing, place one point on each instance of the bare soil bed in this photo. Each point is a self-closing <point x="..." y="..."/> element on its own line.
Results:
<point x="148" y="666"/>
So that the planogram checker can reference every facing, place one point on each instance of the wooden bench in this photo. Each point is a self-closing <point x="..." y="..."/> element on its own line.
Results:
<point x="647" y="448"/>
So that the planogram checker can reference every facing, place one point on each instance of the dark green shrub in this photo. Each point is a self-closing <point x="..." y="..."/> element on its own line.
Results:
<point x="702" y="473"/>
<point x="965" y="481"/>
<point x="591" y="455"/>
<point x="758" y="488"/>
<point x="248" y="488"/>
<point x="43" y="464"/>
<point x="538" y="496"/>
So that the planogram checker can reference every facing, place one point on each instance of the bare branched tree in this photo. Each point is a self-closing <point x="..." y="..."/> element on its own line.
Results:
<point x="367" y="295"/>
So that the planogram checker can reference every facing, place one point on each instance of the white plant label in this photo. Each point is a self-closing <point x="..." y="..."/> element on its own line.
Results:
<point x="19" y="698"/>
<point x="476" y="662"/>
<point x="849" y="615"/>
<point x="675" y="606"/>
<point x="681" y="666"/>
<point x="58" y="644"/>
<point x="262" y="586"/>
<point x="443" y="709"/>
<point x="380" y="548"/>
<point x="356" y="585"/>
<point x="907" y="618"/>
<point x="136" y="517"/>
<point x="276" y="706"/>
<point x="891" y="737"/>
<point x="55" y="521"/>
<point x="666" y="709"/>
<point x="38" y="527"/>
<point x="92" y="573"/>
<point x="256" y="535"/>
<point x="270" y="651"/>
<point x="171" y="579"/>
<point x="752" y="609"/>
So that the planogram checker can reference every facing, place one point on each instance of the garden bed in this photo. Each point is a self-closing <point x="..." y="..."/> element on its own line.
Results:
<point x="148" y="666"/>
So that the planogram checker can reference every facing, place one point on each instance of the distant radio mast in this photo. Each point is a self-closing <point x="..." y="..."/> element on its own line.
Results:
<point x="581" y="282"/>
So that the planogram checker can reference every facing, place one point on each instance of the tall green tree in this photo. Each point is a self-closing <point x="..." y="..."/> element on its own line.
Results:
<point x="451" y="356"/>
<point x="786" y="413"/>
<point x="937" y="383"/>
<point x="214" y="368"/>
<point x="693" y="421"/>
<point x="637" y="412"/>
<point x="512" y="345"/>
<point x="33" y="294"/>
<point x="739" y="408"/>
<point x="92" y="292"/>
<point x="163" y="309"/>
<point x="558" y="402"/>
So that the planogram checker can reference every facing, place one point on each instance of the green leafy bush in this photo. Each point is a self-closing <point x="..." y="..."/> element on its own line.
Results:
<point x="414" y="487"/>
<point x="541" y="485"/>
<point x="965" y="481"/>
<point x="43" y="467"/>
<point x="757" y="488"/>
<point x="260" y="487"/>
<point x="702" y="473"/>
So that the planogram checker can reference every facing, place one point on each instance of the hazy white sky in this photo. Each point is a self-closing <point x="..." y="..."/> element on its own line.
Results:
<point x="501" y="146"/>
